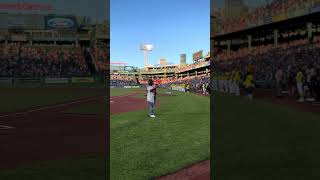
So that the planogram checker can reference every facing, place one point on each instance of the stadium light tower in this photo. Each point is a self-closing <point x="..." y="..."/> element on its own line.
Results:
<point x="146" y="48"/>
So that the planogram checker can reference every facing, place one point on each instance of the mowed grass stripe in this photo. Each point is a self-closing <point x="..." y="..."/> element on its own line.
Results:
<point x="259" y="140"/>
<point x="121" y="91"/>
<point x="144" y="148"/>
<point x="19" y="97"/>
<point x="100" y="108"/>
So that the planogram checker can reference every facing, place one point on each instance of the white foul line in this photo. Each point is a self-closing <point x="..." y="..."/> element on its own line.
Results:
<point x="48" y="107"/>
<point x="120" y="96"/>
<point x="61" y="105"/>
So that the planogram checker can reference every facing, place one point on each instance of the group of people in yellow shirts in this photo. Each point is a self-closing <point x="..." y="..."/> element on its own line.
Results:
<point x="180" y="87"/>
<point x="231" y="81"/>
<point x="308" y="84"/>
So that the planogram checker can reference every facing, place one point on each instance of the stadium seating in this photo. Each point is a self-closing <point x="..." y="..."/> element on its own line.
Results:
<point x="290" y="58"/>
<point x="24" y="60"/>
<point x="259" y="15"/>
<point x="122" y="80"/>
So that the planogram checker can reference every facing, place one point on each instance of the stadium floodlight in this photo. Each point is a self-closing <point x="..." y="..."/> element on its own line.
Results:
<point x="146" y="48"/>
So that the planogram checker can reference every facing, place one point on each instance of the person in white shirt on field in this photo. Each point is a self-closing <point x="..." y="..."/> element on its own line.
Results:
<point x="204" y="89"/>
<point x="151" y="93"/>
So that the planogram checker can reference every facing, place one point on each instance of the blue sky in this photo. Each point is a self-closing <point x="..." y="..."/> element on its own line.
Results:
<point x="96" y="9"/>
<point x="172" y="26"/>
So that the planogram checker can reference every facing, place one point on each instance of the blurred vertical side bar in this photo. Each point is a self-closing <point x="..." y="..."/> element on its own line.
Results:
<point x="54" y="89"/>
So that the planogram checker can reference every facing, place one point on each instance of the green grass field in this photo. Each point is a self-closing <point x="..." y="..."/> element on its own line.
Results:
<point x="258" y="140"/>
<point x="17" y="97"/>
<point x="121" y="91"/>
<point x="100" y="108"/>
<point x="145" y="148"/>
<point x="250" y="139"/>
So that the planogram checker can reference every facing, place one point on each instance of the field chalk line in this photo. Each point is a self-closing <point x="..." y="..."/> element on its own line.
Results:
<point x="49" y="107"/>
<point x="62" y="105"/>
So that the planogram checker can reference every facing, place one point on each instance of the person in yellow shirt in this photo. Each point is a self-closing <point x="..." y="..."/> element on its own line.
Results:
<point x="249" y="84"/>
<point x="187" y="88"/>
<point x="299" y="81"/>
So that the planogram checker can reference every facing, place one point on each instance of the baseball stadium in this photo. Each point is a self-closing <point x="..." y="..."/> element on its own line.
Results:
<point x="175" y="143"/>
<point x="266" y="85"/>
<point x="159" y="90"/>
<point x="53" y="93"/>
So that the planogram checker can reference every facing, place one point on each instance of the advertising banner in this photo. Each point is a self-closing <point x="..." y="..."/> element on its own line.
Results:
<point x="61" y="22"/>
<point x="25" y="21"/>
<point x="82" y="80"/>
<point x="131" y="87"/>
<point x="198" y="55"/>
<point x="56" y="80"/>
<point x="28" y="80"/>
<point x="25" y="6"/>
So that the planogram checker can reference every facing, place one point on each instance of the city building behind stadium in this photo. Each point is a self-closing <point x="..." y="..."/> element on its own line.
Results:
<point x="165" y="74"/>
<point x="52" y="48"/>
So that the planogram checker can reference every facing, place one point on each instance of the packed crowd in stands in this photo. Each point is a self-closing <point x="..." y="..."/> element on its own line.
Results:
<point x="195" y="65"/>
<point x="30" y="61"/>
<point x="291" y="68"/>
<point x="261" y="14"/>
<point x="200" y="83"/>
<point x="123" y="80"/>
<point x="102" y="56"/>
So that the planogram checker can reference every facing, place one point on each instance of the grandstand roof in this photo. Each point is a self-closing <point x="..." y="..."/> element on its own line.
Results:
<point x="268" y="28"/>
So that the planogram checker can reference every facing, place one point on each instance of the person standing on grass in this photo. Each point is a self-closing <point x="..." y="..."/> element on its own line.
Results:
<point x="249" y="84"/>
<point x="316" y="84"/>
<point x="187" y="88"/>
<point x="236" y="81"/>
<point x="208" y="87"/>
<point x="299" y="82"/>
<point x="279" y="78"/>
<point x="151" y="97"/>
<point x="204" y="88"/>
